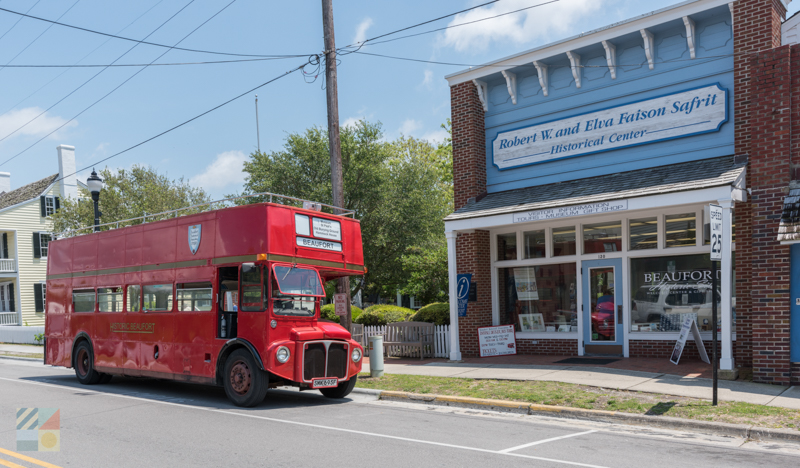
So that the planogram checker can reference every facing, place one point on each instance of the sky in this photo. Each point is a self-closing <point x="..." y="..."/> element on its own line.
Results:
<point x="102" y="111"/>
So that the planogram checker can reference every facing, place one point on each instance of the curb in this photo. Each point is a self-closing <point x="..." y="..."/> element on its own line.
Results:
<point x="18" y="358"/>
<point x="665" y="422"/>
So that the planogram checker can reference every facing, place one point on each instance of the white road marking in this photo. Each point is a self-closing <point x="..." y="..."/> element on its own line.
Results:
<point x="518" y="447"/>
<point x="317" y="426"/>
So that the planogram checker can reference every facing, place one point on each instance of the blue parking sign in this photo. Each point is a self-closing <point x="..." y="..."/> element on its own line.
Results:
<point x="462" y="292"/>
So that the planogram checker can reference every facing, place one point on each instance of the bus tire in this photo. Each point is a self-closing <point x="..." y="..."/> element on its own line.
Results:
<point x="341" y="390"/>
<point x="245" y="384"/>
<point x="84" y="364"/>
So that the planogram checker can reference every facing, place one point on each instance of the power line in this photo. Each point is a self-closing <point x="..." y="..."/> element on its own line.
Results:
<point x="79" y="61"/>
<point x="145" y="42"/>
<point x="37" y="37"/>
<point x="415" y="25"/>
<point x="115" y="65"/>
<point x="20" y="19"/>
<point x="87" y="81"/>
<point x="123" y="83"/>
<point x="310" y="62"/>
<point x="457" y="25"/>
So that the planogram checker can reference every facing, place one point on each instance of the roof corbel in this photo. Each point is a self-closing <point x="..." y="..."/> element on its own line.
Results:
<point x="541" y="70"/>
<point x="511" y="84"/>
<point x="730" y="7"/>
<point x="575" y="64"/>
<point x="690" y="35"/>
<point x="611" y="58"/>
<point x="483" y="93"/>
<point x="649" y="46"/>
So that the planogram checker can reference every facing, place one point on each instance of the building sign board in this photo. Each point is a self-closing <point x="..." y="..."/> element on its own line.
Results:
<point x="689" y="326"/>
<point x="340" y="304"/>
<point x="568" y="211"/>
<point x="463" y="286"/>
<point x="677" y="115"/>
<point x="497" y="341"/>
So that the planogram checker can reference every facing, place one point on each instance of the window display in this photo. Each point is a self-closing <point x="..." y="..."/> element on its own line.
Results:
<point x="564" y="241"/>
<point x="602" y="237"/>
<point x="644" y="233"/>
<point x="666" y="290"/>
<point x="539" y="298"/>
<point x="681" y="230"/>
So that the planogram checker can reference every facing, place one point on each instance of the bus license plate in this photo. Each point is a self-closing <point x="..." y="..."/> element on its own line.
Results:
<point x="320" y="383"/>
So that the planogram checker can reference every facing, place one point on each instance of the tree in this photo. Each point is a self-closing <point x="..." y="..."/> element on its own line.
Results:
<point x="129" y="194"/>
<point x="395" y="188"/>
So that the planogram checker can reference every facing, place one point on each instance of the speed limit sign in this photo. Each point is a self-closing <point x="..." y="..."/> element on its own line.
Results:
<point x="716" y="231"/>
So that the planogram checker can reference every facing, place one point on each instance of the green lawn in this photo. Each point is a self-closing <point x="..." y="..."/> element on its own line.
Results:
<point x="578" y="396"/>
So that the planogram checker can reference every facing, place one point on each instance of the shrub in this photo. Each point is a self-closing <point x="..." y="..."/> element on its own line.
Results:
<point x="328" y="313"/>
<point x="438" y="313"/>
<point x="381" y="314"/>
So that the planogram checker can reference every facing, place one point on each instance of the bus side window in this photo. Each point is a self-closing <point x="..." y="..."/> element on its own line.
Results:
<point x="109" y="299"/>
<point x="229" y="289"/>
<point x="83" y="300"/>
<point x="194" y="296"/>
<point x="157" y="297"/>
<point x="134" y="298"/>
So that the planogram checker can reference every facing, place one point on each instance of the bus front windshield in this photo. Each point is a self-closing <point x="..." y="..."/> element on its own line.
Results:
<point x="295" y="291"/>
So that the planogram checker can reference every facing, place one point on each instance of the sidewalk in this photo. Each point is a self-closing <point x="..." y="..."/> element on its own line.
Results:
<point x="22" y="350"/>
<point x="689" y="379"/>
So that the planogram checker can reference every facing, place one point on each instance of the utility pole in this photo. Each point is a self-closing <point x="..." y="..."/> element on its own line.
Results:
<point x="258" y="134"/>
<point x="337" y="181"/>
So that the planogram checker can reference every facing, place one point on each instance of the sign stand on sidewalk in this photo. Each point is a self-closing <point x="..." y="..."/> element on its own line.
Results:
<point x="689" y="325"/>
<point x="715" y="212"/>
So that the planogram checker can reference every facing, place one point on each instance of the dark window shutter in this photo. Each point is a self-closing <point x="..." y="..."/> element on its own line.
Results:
<point x="43" y="205"/>
<point x="58" y="203"/>
<point x="5" y="245"/>
<point x="11" y="297"/>
<point x="37" y="297"/>
<point x="37" y="251"/>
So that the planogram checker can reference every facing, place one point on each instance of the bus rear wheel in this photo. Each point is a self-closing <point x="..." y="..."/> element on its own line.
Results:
<point x="341" y="390"/>
<point x="245" y="384"/>
<point x="84" y="365"/>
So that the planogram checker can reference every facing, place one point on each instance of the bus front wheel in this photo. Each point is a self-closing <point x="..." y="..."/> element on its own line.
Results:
<point x="84" y="365"/>
<point x="340" y="391"/>
<point x="245" y="384"/>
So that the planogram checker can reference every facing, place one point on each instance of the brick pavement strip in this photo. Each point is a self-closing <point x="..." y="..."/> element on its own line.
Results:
<point x="665" y="422"/>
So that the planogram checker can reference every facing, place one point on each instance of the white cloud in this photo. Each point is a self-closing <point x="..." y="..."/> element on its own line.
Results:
<point x="225" y="170"/>
<point x="361" y="30"/>
<point x="541" y="23"/>
<point x="436" y="136"/>
<point x="427" y="81"/>
<point x="37" y="128"/>
<point x="410" y="126"/>
<point x="351" y="121"/>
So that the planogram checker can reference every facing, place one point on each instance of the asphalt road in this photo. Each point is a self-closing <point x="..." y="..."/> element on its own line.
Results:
<point x="150" y="423"/>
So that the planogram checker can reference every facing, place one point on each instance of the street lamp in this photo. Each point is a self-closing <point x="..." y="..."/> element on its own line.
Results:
<point x="95" y="184"/>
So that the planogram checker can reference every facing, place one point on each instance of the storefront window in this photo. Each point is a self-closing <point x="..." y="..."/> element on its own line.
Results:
<point x="666" y="290"/>
<point x="534" y="244"/>
<point x="539" y="298"/>
<point x="602" y="237"/>
<point x="681" y="230"/>
<point x="507" y="246"/>
<point x="564" y="241"/>
<point x="644" y="233"/>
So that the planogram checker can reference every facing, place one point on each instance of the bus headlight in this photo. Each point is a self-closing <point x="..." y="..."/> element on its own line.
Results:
<point x="283" y="354"/>
<point x="356" y="355"/>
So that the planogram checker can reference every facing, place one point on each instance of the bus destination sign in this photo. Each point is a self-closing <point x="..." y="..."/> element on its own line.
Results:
<point x="319" y="244"/>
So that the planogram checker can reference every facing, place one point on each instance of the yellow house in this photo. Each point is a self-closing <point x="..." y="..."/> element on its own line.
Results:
<point x="25" y="227"/>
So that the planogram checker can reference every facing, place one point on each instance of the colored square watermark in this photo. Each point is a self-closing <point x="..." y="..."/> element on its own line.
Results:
<point x="38" y="429"/>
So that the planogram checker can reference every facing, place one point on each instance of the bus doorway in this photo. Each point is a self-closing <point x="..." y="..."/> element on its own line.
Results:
<point x="228" y="302"/>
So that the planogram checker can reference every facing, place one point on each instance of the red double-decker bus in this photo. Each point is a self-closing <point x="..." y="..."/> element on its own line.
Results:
<point x="228" y="297"/>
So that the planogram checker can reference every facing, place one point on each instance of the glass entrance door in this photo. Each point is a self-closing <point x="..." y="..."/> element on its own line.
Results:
<point x="602" y="306"/>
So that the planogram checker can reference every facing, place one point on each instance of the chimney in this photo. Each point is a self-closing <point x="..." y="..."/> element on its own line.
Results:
<point x="66" y="172"/>
<point x="5" y="182"/>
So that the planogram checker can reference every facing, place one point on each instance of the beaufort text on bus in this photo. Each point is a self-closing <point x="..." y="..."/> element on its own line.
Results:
<point x="229" y="297"/>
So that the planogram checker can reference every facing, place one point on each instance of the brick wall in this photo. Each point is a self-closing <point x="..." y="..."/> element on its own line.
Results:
<point x="771" y="107"/>
<point x="548" y="347"/>
<point x="756" y="28"/>
<point x="469" y="143"/>
<point x="662" y="349"/>
<point x="473" y="256"/>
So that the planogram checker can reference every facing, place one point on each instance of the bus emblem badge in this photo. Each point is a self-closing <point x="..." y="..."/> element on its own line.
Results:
<point x="194" y="237"/>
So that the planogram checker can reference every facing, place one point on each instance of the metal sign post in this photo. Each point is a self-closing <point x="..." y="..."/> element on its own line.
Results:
<point x="715" y="212"/>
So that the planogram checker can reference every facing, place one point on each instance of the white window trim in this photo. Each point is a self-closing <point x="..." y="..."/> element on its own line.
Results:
<point x="52" y="199"/>
<point x="625" y="254"/>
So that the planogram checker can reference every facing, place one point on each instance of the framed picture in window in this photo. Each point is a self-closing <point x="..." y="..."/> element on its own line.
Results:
<point x="531" y="322"/>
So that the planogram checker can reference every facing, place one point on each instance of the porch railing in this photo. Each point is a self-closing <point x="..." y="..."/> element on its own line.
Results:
<point x="8" y="265"/>
<point x="8" y="318"/>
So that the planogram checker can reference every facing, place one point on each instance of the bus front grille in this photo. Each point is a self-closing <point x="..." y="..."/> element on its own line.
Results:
<point x="321" y="354"/>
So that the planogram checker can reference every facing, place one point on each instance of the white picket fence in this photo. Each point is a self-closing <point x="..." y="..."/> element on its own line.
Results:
<point x="441" y="341"/>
